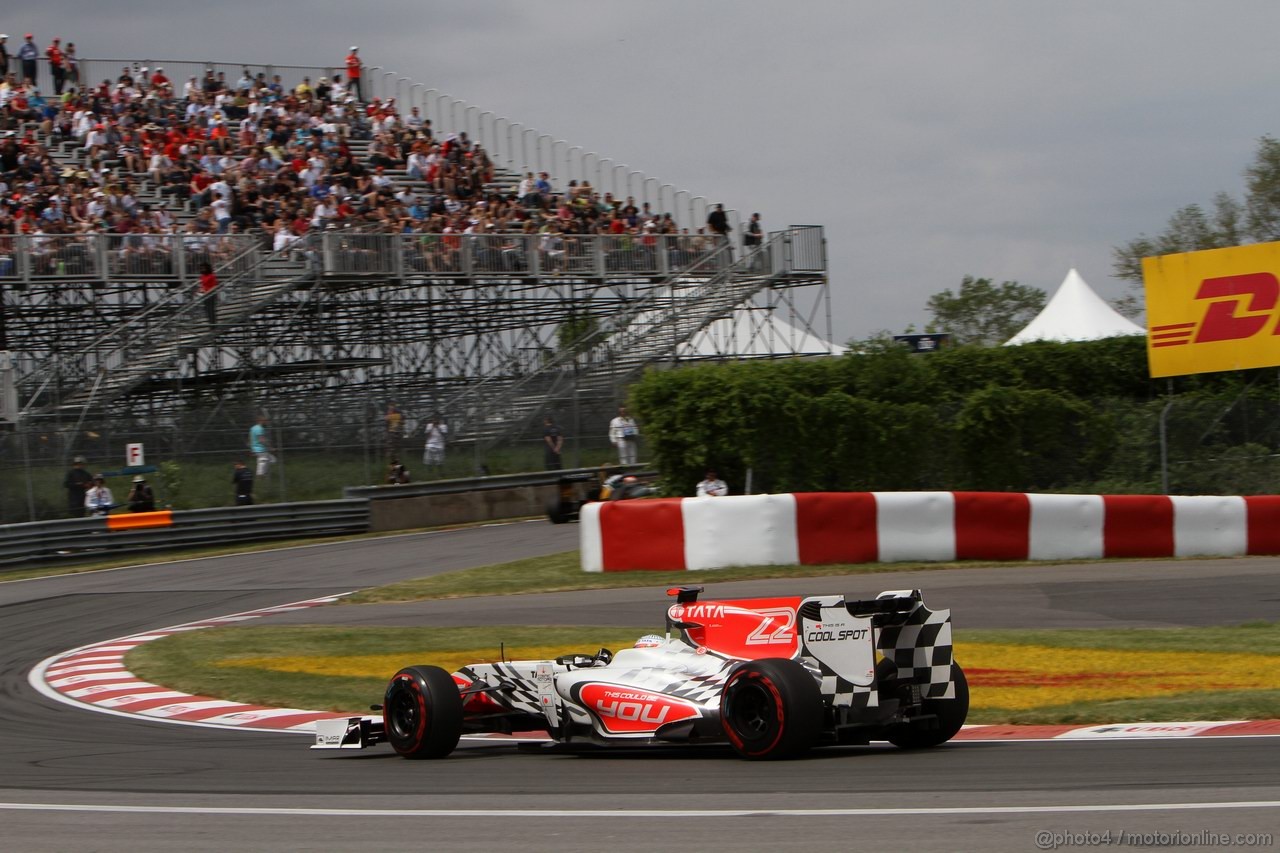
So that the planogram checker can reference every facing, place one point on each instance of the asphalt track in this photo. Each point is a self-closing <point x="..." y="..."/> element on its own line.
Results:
<point x="71" y="779"/>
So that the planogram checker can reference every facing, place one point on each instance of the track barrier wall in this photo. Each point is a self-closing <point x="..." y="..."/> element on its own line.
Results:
<point x="815" y="528"/>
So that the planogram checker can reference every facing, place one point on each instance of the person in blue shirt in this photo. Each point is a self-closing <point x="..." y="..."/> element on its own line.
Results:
<point x="29" y="53"/>
<point x="259" y="447"/>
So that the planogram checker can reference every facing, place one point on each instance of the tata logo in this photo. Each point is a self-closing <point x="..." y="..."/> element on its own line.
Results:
<point x="704" y="611"/>
<point x="1243" y="306"/>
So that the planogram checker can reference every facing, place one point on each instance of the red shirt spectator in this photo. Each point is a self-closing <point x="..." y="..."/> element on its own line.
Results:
<point x="208" y="280"/>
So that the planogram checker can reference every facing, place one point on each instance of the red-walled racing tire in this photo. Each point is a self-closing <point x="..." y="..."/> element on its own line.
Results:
<point x="771" y="709"/>
<point x="422" y="712"/>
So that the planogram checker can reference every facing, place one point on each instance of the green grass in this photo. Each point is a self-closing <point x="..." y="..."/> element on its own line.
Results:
<point x="563" y="572"/>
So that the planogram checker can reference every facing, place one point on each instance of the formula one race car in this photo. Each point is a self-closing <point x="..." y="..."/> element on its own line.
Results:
<point x="579" y="488"/>
<point x="772" y="677"/>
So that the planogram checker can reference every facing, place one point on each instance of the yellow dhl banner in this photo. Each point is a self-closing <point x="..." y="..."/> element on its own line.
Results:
<point x="1213" y="310"/>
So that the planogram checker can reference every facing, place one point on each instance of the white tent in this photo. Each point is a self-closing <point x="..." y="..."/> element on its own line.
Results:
<point x="1076" y="313"/>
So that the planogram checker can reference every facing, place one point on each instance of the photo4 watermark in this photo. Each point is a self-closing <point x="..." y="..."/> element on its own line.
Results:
<point x="1058" y="840"/>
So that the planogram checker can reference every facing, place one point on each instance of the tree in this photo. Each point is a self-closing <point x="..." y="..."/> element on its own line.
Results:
<point x="983" y="313"/>
<point x="1231" y="222"/>
<point x="575" y="331"/>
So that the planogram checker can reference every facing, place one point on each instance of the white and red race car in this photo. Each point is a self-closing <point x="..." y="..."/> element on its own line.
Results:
<point x="772" y="677"/>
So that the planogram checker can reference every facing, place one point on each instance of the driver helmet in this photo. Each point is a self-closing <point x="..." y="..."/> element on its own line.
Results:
<point x="649" y="641"/>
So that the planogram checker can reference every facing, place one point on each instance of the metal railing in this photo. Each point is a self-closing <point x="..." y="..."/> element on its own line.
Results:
<point x="30" y="259"/>
<point x="520" y="254"/>
<point x="85" y="538"/>
<point x="481" y="484"/>
<point x="27" y="259"/>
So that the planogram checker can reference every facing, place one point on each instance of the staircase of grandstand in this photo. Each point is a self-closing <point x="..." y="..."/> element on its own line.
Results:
<point x="497" y="408"/>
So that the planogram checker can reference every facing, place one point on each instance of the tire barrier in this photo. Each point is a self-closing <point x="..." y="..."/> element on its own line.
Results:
<point x="813" y="528"/>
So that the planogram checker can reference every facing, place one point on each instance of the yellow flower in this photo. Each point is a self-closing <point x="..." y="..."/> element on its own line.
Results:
<point x="1020" y="677"/>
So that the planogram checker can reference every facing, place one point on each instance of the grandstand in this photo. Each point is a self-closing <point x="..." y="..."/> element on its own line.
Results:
<point x="412" y="248"/>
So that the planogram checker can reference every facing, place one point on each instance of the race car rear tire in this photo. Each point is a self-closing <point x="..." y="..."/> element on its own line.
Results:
<point x="950" y="714"/>
<point x="422" y="712"/>
<point x="771" y="709"/>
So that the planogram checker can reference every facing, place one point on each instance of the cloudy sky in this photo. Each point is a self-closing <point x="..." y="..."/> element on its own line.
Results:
<point x="1005" y="139"/>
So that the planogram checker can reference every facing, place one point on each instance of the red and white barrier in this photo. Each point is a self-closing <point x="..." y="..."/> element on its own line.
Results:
<point x="814" y="528"/>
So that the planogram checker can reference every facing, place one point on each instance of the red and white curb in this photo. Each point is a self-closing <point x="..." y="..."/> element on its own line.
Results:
<point x="1123" y="731"/>
<point x="94" y="677"/>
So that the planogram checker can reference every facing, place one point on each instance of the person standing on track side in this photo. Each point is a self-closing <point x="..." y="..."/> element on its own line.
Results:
<point x="98" y="500"/>
<point x="433" y="448"/>
<point x="259" y="447"/>
<point x="553" y="439"/>
<point x="624" y="434"/>
<point x="77" y="482"/>
<point x="242" y="482"/>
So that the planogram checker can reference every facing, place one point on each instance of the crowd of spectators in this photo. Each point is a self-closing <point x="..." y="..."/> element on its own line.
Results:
<point x="255" y="156"/>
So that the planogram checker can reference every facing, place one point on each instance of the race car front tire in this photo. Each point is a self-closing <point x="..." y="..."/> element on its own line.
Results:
<point x="422" y="712"/>
<point x="949" y="713"/>
<point x="771" y="709"/>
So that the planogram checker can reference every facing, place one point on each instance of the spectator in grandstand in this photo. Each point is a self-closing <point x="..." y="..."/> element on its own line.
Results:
<point x="718" y="222"/>
<point x="57" y="65"/>
<point x="753" y="234"/>
<point x="354" y="74"/>
<point x="242" y="483"/>
<point x="553" y="441"/>
<point x="72" y="63"/>
<point x="752" y="238"/>
<point x="208" y="286"/>
<point x="27" y="55"/>
<point x="259" y="447"/>
<point x="337" y="90"/>
<point x="77" y="482"/>
<point x="4" y="54"/>
<point x="624" y="434"/>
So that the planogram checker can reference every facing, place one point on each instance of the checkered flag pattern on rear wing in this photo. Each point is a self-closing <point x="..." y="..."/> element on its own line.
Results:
<point x="920" y="648"/>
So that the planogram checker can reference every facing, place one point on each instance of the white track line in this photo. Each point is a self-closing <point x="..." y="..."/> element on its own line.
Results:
<point x="646" y="813"/>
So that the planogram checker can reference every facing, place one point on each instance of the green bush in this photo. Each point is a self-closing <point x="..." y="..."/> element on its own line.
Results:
<point x="1081" y="417"/>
